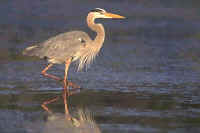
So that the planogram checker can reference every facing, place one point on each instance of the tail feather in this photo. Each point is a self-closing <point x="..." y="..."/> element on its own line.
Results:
<point x="31" y="51"/>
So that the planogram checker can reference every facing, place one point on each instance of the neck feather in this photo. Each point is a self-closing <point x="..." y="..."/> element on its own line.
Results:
<point x="98" y="28"/>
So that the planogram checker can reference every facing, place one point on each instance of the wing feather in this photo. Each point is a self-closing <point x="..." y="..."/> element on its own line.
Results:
<point x="64" y="45"/>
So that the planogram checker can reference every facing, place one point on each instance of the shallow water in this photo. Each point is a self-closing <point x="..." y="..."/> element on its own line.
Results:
<point x="145" y="79"/>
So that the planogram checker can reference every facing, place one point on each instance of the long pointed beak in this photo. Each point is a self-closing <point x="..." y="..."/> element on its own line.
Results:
<point x="111" y="15"/>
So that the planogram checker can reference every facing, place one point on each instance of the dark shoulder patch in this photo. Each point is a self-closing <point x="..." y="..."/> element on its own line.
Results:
<point x="45" y="58"/>
<point x="81" y="40"/>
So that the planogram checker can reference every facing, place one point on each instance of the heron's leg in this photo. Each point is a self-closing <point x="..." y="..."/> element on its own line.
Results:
<point x="73" y="85"/>
<point x="47" y="102"/>
<point x="66" y="89"/>
<point x="49" y="75"/>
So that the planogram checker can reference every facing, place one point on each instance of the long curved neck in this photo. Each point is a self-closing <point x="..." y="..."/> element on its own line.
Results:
<point x="98" y="28"/>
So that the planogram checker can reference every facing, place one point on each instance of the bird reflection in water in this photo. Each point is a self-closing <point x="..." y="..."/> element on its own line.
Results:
<point x="82" y="121"/>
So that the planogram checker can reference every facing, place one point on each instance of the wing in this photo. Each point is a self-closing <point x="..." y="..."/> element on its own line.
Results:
<point x="64" y="45"/>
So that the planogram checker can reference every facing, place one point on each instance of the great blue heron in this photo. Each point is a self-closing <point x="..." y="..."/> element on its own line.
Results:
<point x="71" y="46"/>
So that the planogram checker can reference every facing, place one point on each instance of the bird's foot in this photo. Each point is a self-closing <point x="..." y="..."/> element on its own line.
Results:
<point x="68" y="116"/>
<point x="74" y="87"/>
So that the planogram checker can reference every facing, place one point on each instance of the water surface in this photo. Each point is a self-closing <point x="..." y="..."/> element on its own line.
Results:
<point x="145" y="79"/>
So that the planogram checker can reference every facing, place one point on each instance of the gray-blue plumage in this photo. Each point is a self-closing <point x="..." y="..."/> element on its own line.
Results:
<point x="61" y="47"/>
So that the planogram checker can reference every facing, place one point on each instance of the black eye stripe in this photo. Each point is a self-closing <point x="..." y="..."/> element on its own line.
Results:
<point x="97" y="10"/>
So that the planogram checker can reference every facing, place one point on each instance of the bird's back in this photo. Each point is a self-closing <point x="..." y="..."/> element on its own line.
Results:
<point x="57" y="49"/>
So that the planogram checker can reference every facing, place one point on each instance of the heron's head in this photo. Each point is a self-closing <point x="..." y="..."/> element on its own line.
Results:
<point x="101" y="13"/>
